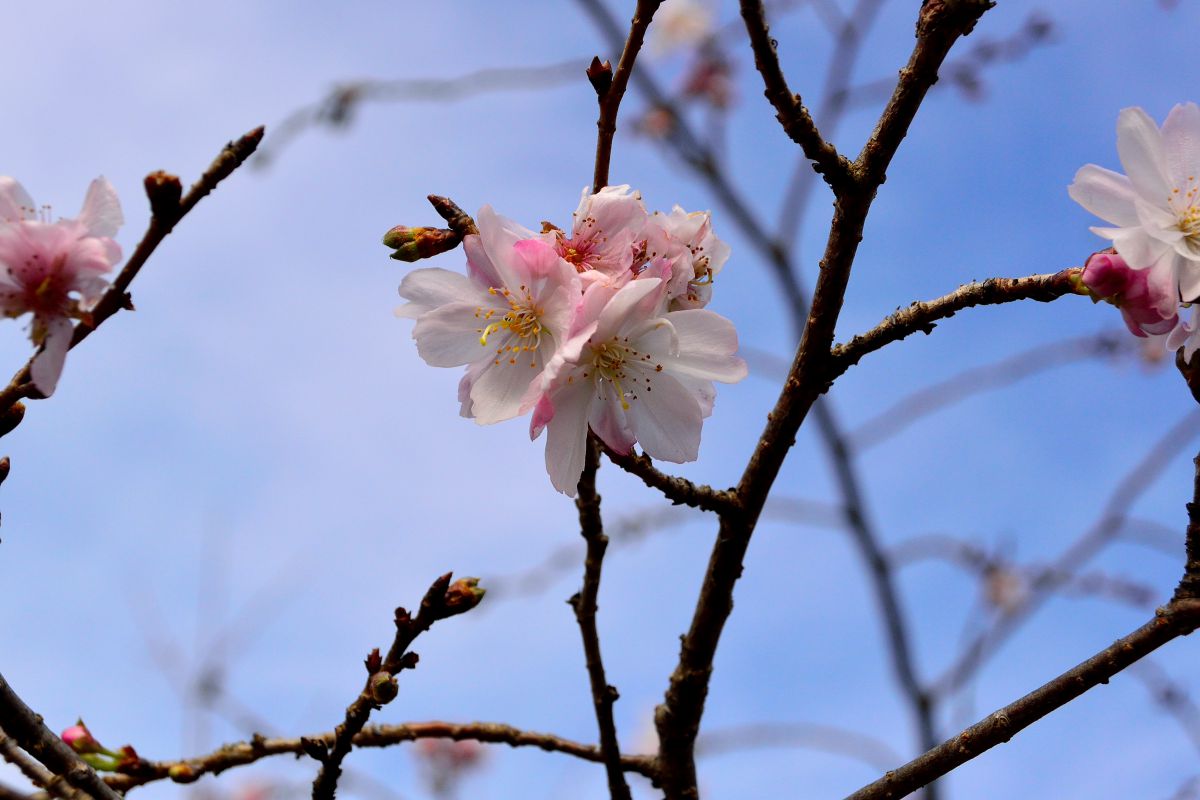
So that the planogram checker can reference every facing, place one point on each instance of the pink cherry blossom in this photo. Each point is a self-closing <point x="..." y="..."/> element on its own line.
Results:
<point x="633" y="372"/>
<point x="1155" y="207"/>
<point x="687" y="242"/>
<point x="607" y="226"/>
<point x="53" y="269"/>
<point x="503" y="321"/>
<point x="1146" y="298"/>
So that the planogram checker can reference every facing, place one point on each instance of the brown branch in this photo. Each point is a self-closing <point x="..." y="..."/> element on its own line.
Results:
<point x="678" y="718"/>
<point x="443" y="600"/>
<point x="679" y="491"/>
<point x="923" y="316"/>
<point x="258" y="748"/>
<point x="610" y="97"/>
<point x="789" y="108"/>
<point x="26" y="728"/>
<point x="167" y="209"/>
<point x="1178" y="618"/>
<point x="584" y="603"/>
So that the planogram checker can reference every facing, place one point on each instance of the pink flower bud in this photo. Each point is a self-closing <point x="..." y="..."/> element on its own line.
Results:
<point x="1147" y="300"/>
<point x="80" y="739"/>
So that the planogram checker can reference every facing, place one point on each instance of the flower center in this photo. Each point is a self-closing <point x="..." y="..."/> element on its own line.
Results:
<point x="1185" y="202"/>
<point x="523" y="320"/>
<point x="609" y="361"/>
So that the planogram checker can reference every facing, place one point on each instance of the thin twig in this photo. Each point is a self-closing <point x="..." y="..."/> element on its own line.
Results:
<point x="38" y="775"/>
<point x="680" y="491"/>
<point x="443" y="600"/>
<point x="923" y="316"/>
<point x="167" y="209"/>
<point x="258" y="748"/>
<point x="790" y="110"/>
<point x="26" y="728"/>
<point x="583" y="602"/>
<point x="1176" y="619"/>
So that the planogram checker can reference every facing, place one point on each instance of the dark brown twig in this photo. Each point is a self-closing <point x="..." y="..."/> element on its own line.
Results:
<point x="258" y="748"/>
<point x="790" y="110"/>
<point x="923" y="316"/>
<point x="26" y="728"/>
<point x="162" y="189"/>
<point x="680" y="491"/>
<point x="610" y="100"/>
<point x="38" y="775"/>
<point x="1178" y="618"/>
<point x="583" y="602"/>
<point x="443" y="600"/>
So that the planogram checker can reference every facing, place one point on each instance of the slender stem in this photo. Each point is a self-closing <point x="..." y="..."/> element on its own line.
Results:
<point x="610" y="102"/>
<point x="258" y="748"/>
<point x="38" y="775"/>
<point x="790" y="110"/>
<point x="442" y="600"/>
<point x="584" y="603"/>
<point x="680" y="491"/>
<point x="1178" y="618"/>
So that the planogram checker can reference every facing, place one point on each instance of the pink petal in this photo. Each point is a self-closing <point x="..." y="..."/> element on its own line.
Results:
<point x="101" y="213"/>
<point x="48" y="363"/>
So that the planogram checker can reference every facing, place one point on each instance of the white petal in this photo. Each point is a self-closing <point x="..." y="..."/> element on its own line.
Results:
<point x="628" y="305"/>
<point x="707" y="343"/>
<point x="566" y="437"/>
<point x="1188" y="273"/>
<point x="497" y="236"/>
<point x="666" y="419"/>
<point x="15" y="202"/>
<point x="48" y="363"/>
<point x="1137" y="248"/>
<point x="500" y="390"/>
<point x="1107" y="194"/>
<point x="609" y="422"/>
<point x="427" y="289"/>
<point x="101" y="213"/>
<point x="449" y="336"/>
<point x="1181" y="143"/>
<point x="1140" y="147"/>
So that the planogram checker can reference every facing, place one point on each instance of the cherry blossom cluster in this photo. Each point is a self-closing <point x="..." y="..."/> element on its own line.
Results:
<point x="53" y="269"/>
<point x="1153" y="268"/>
<point x="601" y="327"/>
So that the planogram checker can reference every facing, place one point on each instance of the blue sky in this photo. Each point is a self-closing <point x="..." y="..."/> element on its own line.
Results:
<point x="260" y="440"/>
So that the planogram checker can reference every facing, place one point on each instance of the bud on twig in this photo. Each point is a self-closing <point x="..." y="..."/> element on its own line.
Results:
<point x="600" y="75"/>
<point x="463" y="595"/>
<point x="164" y="191"/>
<point x="413" y="244"/>
<point x="383" y="687"/>
<point x="459" y="221"/>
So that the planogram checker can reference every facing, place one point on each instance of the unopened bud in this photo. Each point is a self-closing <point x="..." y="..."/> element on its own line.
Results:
<point x="413" y="244"/>
<point x="11" y="418"/>
<point x="384" y="687"/>
<point x="164" y="192"/>
<point x="600" y="75"/>
<point x="80" y="739"/>
<point x="463" y="595"/>
<point x="182" y="773"/>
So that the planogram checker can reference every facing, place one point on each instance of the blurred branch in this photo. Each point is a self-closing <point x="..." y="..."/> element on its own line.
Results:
<point x="338" y="107"/>
<point x="167" y="209"/>
<point x="25" y="727"/>
<point x="828" y="738"/>
<point x="258" y="748"/>
<point x="1112" y="519"/>
<point x="36" y="774"/>
<point x="442" y="601"/>
<point x="988" y="377"/>
<point x="965" y="73"/>
<point x="1170" y="697"/>
<point x="584" y="604"/>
